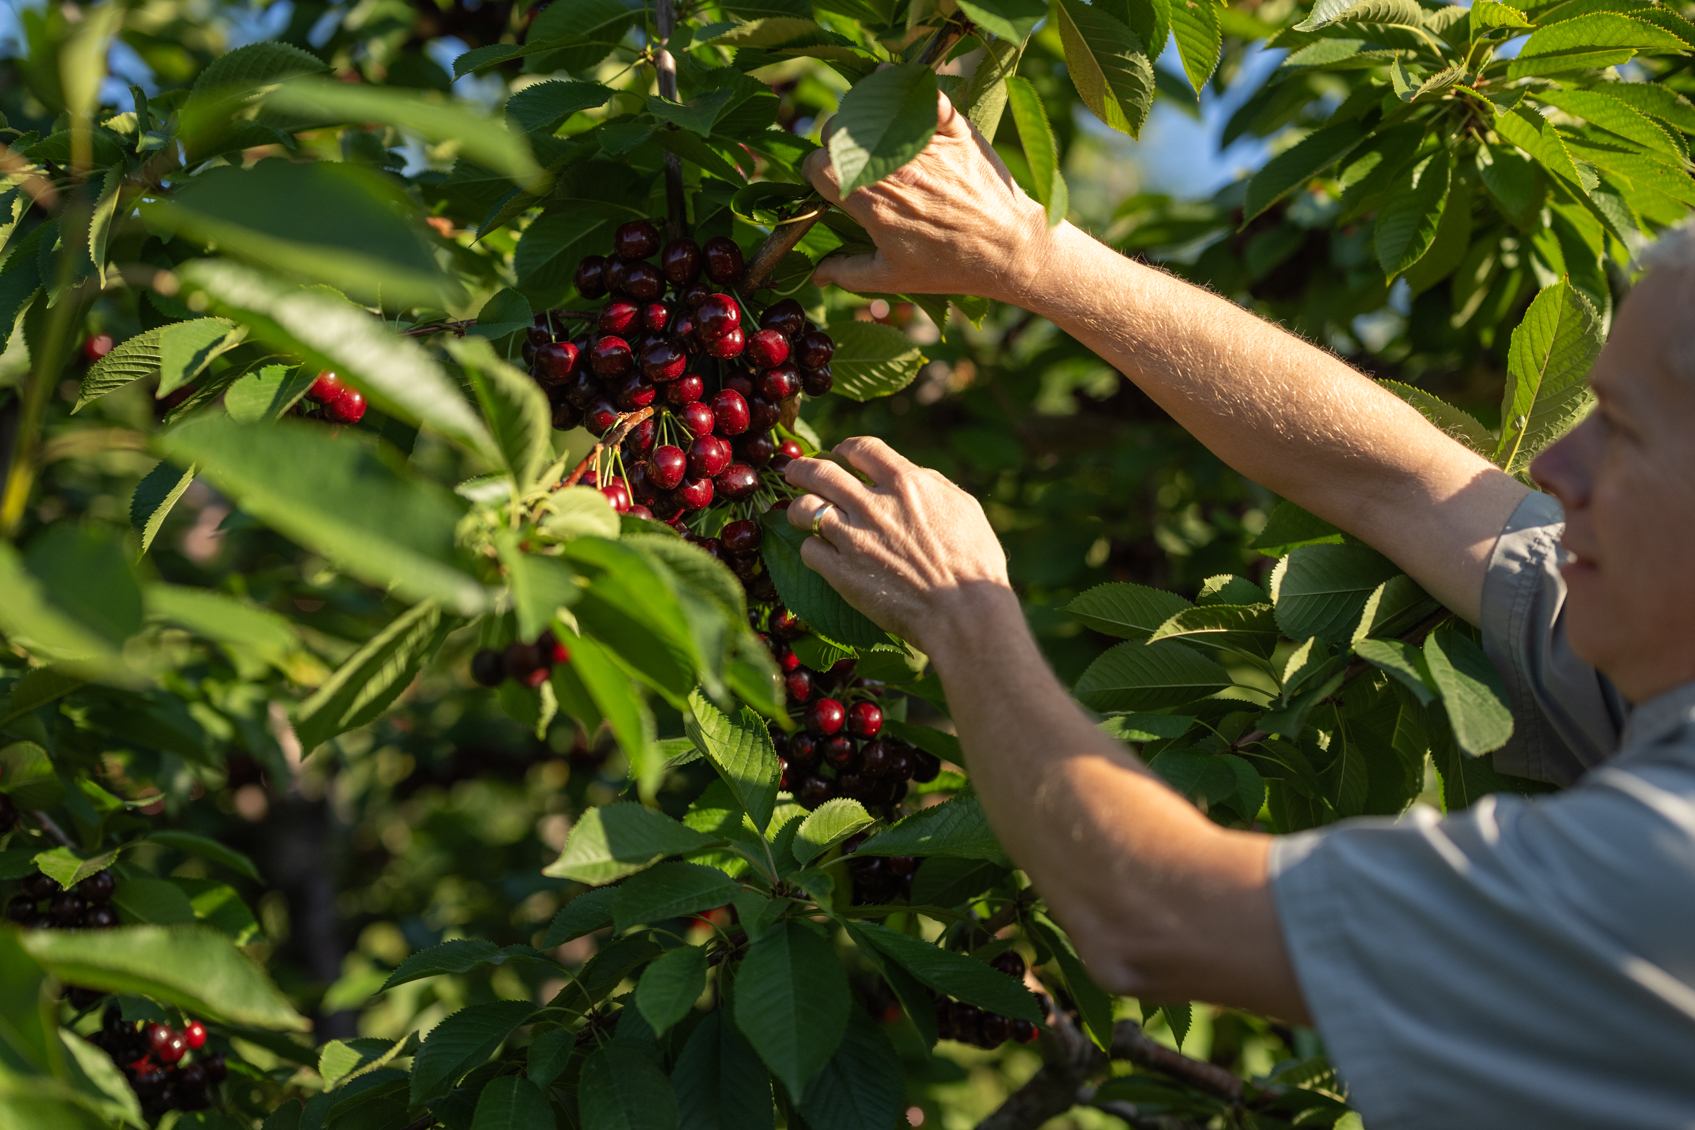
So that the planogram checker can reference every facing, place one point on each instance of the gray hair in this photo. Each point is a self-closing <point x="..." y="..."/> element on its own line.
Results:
<point x="1671" y="258"/>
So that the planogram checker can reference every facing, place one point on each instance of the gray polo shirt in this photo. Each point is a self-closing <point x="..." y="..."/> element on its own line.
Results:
<point x="1527" y="962"/>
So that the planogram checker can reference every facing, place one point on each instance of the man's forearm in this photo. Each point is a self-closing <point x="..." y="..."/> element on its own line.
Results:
<point x="1284" y="413"/>
<point x="1160" y="901"/>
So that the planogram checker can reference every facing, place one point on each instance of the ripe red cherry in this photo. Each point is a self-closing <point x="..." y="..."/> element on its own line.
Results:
<point x="717" y="315"/>
<point x="681" y="261"/>
<point x="611" y="356"/>
<point x="798" y="685"/>
<point x="741" y="382"/>
<point x="695" y="494"/>
<point x="737" y="481"/>
<point x="1024" y="1032"/>
<point x="786" y="450"/>
<point x="840" y="750"/>
<point x="641" y="437"/>
<point x="643" y="281"/>
<point x="158" y="1035"/>
<point x="816" y="382"/>
<point x="555" y="362"/>
<point x="666" y="466"/>
<point x="615" y="275"/>
<point x="730" y="411"/>
<point x="600" y="416"/>
<point x="802" y="748"/>
<point x="686" y="389"/>
<point x="786" y="317"/>
<point x="637" y="239"/>
<point x="686" y="329"/>
<point x="97" y="347"/>
<point x="656" y="316"/>
<point x="728" y="346"/>
<point x="756" y="450"/>
<point x="785" y="625"/>
<point x="618" y="494"/>
<point x="767" y="348"/>
<point x="663" y="360"/>
<point x="708" y="457"/>
<point x="762" y="414"/>
<point x="693" y="295"/>
<point x="779" y="383"/>
<point x="876" y="758"/>
<point x="865" y="719"/>
<point x="786" y="658"/>
<point x="326" y="388"/>
<point x="723" y="260"/>
<point x="741" y="536"/>
<point x="590" y="278"/>
<point x="347" y="408"/>
<point x="814" y="349"/>
<point x="635" y="392"/>
<point x="620" y="316"/>
<point x="826" y="716"/>
<point x="565" y="415"/>
<point x="582" y="388"/>
<point x="697" y="417"/>
<point x="194" y="1035"/>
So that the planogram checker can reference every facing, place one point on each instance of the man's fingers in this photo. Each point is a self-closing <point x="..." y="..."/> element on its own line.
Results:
<point x="828" y="481"/>
<point x="948" y="118"/>
<point x="822" y="558"/>
<point x="874" y="457"/>
<point x="822" y="174"/>
<point x="863" y="274"/>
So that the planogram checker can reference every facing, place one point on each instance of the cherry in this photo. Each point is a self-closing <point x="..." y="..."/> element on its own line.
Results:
<point x="901" y="865"/>
<point x="737" y="481"/>
<point x="802" y="749"/>
<point x="694" y="294"/>
<point x="709" y="456"/>
<point x="878" y="758"/>
<point x="639" y="511"/>
<point x="686" y="389"/>
<point x="840" y="750"/>
<point x="825" y="716"/>
<point x="717" y="315"/>
<point x="637" y="239"/>
<point x="590" y="279"/>
<point x="779" y="383"/>
<point x="611" y="356"/>
<point x="97" y="347"/>
<point x="767" y="348"/>
<point x="619" y="316"/>
<point x="865" y="719"/>
<point x="729" y="412"/>
<point x="741" y="536"/>
<point x="582" y="388"/>
<point x="740" y="382"/>
<point x="798" y="684"/>
<point x="172" y="1051"/>
<point x="21" y="909"/>
<point x="635" y="392"/>
<point x="615" y="275"/>
<point x="814" y="349"/>
<point x="98" y="887"/>
<point x="786" y="658"/>
<point x="656" y="317"/>
<point x="664" y="360"/>
<point x="1024" y="1032"/>
<point x="666" y="466"/>
<point x="100" y="917"/>
<point x="617" y="492"/>
<point x="347" y="408"/>
<point x="816" y="382"/>
<point x="326" y="388"/>
<point x="540" y="331"/>
<point x="813" y="792"/>
<point x="762" y="414"/>
<point x="695" y="494"/>
<point x="555" y="362"/>
<point x="744" y="565"/>
<point x="215" y="1067"/>
<point x="785" y="316"/>
<point x="851" y="784"/>
<point x="789" y="449"/>
<point x="723" y="260"/>
<point x="601" y="416"/>
<point x="39" y="886"/>
<point x="487" y="667"/>
<point x="641" y="437"/>
<point x="926" y="767"/>
<point x="726" y="347"/>
<point x="686" y="328"/>
<point x="697" y="417"/>
<point x="996" y="1029"/>
<point x="1010" y="963"/>
<point x="681" y="261"/>
<point x="158" y="1035"/>
<point x="643" y="281"/>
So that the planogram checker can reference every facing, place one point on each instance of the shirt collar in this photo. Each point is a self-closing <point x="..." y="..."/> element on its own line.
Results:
<point x="1660" y="716"/>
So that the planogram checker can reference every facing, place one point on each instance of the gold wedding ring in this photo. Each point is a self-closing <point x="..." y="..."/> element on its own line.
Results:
<point x="818" y="518"/>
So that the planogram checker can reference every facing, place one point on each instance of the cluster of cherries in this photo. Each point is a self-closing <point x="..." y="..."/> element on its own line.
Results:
<point x="337" y="402"/>
<point x="42" y="903"/>
<point x="878" y="879"/>
<point x="714" y="377"/>
<point x="525" y="663"/>
<point x="168" y="1068"/>
<point x="956" y="1020"/>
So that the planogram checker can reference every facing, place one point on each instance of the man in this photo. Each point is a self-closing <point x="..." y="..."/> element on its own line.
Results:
<point x="1522" y="963"/>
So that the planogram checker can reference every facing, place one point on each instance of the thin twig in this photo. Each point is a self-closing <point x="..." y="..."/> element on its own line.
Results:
<point x="612" y="439"/>
<point x="54" y="832"/>
<point x="676" y="207"/>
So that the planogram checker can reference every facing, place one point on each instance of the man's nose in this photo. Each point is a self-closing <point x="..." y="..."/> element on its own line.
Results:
<point x="1562" y="469"/>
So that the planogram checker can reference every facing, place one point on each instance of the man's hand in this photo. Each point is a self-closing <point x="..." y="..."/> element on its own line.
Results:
<point x="910" y="549"/>
<point x="950" y="221"/>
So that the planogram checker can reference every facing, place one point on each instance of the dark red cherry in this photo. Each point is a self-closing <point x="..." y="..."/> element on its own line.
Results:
<point x="741" y="536"/>
<point x="762" y="414"/>
<point x="582" y="388"/>
<point x="666" y="466"/>
<point x="865" y="719"/>
<point x="590" y="278"/>
<point x="681" y="261"/>
<point x="685" y="327"/>
<point x="663" y="360"/>
<point x="826" y="716"/>
<point x="656" y="317"/>
<point x="693" y="295"/>
<point x="737" y="481"/>
<point x="487" y="668"/>
<point x="814" y="349"/>
<point x="686" y="389"/>
<point x="786" y="658"/>
<point x="877" y="758"/>
<point x="727" y="347"/>
<point x="802" y="748"/>
<point x="619" y="316"/>
<point x="798" y="685"/>
<point x="555" y="362"/>
<point x="785" y="316"/>
<point x="840" y="750"/>
<point x="611" y="356"/>
<point x="741" y="382"/>
<point x="565" y="415"/>
<point x="723" y="260"/>
<point x="708" y="457"/>
<point x="643" y="281"/>
<point x="785" y="625"/>
<point x="697" y="417"/>
<point x="600" y="416"/>
<point x="637" y="239"/>
<point x="618" y="494"/>
<point x="717" y="315"/>
<point x="641" y="438"/>
<point x="767" y="348"/>
<point x="695" y="494"/>
<point x="779" y="383"/>
<point x="615" y="275"/>
<point x="325" y="389"/>
<point x="347" y="408"/>
<point x="96" y="347"/>
<point x="635" y="392"/>
<point x="816" y="382"/>
<point x="926" y="767"/>
<point x="756" y="450"/>
<point x="730" y="411"/>
<point x="789" y="449"/>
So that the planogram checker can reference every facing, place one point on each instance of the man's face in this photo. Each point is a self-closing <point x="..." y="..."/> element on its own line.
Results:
<point x="1626" y="477"/>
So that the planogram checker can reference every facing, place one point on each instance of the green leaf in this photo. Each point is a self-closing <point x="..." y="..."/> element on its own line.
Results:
<point x="620" y="1089"/>
<point x="1470" y="690"/>
<point x="578" y="512"/>
<point x="461" y="1042"/>
<point x="1576" y="43"/>
<point x="964" y="978"/>
<point x="239" y="625"/>
<point x="740" y="749"/>
<point x="155" y="495"/>
<point x="480" y="139"/>
<point x="1108" y="64"/>
<point x="268" y="392"/>
<point x="1212" y="780"/>
<point x="615" y="840"/>
<point x="1490" y="15"/>
<point x="139" y="357"/>
<point x="1406" y="228"/>
<point x="1126" y="610"/>
<point x="669" y="987"/>
<point x="1612" y="115"/>
<point x="594" y="686"/>
<point x="511" y="1102"/>
<point x="1094" y="1006"/>
<point x="828" y="825"/>
<point x="186" y="348"/>
<point x="861" y="1086"/>
<point x="670" y="890"/>
<point x="808" y="595"/>
<point x="514" y="408"/>
<point x="1011" y="20"/>
<point x="1403" y="662"/>
<point x="67" y="868"/>
<point x="229" y="83"/>
<point x="1143" y="727"/>
<point x="883" y="122"/>
<point x="205" y="847"/>
<point x="325" y="221"/>
<point x="460" y="955"/>
<point x="1326" y="13"/>
<point x="1320" y="590"/>
<point x="548" y="251"/>
<point x="540" y="585"/>
<point x="26" y="775"/>
<point x="584" y="914"/>
<point x="1456" y="423"/>
<point x="1552" y="351"/>
<point x="1658" y="100"/>
<point x="542" y="106"/>
<point x="192" y="967"/>
<point x="792" y="1002"/>
<point x="1199" y="38"/>
<point x="1149" y="676"/>
<point x="872" y="360"/>
<point x="339" y="494"/>
<point x="719" y="1081"/>
<point x="1300" y="163"/>
<point x="1041" y="149"/>
<point x="956" y="828"/>
<point x="1239" y="627"/>
<point x="398" y="375"/>
<point x="72" y="596"/>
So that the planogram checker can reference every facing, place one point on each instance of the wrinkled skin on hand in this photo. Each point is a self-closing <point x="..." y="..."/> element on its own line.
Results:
<point x="909" y="548"/>
<point x="950" y="221"/>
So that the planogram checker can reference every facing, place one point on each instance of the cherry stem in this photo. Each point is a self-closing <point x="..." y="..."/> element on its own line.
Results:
<point x="456" y="328"/>
<point x="613" y="438"/>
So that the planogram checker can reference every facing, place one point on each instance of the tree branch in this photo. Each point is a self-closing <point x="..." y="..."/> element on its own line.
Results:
<point x="676" y="206"/>
<point x="612" y="439"/>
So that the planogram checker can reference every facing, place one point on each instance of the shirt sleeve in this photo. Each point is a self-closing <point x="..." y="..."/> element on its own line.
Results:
<point x="1525" y="962"/>
<point x="1567" y="717"/>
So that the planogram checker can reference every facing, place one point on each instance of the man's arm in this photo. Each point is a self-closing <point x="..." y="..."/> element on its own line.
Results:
<point x="1161" y="902"/>
<point x="1282" y="412"/>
